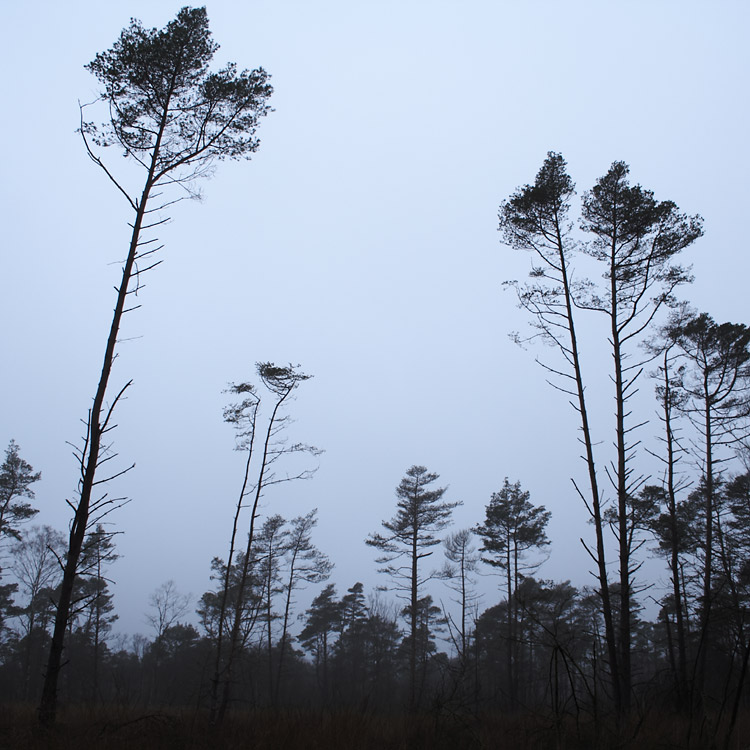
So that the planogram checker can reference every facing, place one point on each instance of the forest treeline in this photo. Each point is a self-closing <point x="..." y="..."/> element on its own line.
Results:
<point x="540" y="648"/>
<point x="578" y="660"/>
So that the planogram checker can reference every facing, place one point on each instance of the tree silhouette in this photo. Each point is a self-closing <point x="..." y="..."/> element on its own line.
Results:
<point x="174" y="118"/>
<point x="263" y="448"/>
<point x="636" y="238"/>
<point x="716" y="387"/>
<point x="16" y="478"/>
<point x="512" y="527"/>
<point x="536" y="219"/>
<point x="411" y="534"/>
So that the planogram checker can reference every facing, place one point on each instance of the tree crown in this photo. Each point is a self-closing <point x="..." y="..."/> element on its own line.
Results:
<point x="16" y="478"/>
<point x="512" y="522"/>
<point x="420" y="515"/>
<point x="166" y="109"/>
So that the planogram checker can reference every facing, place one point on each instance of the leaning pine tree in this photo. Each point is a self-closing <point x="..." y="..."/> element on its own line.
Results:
<point x="173" y="117"/>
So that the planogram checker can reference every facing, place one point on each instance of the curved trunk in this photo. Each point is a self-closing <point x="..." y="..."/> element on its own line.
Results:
<point x="218" y="669"/>
<point x="237" y="619"/>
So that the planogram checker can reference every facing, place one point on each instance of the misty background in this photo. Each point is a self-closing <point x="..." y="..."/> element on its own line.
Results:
<point x="360" y="242"/>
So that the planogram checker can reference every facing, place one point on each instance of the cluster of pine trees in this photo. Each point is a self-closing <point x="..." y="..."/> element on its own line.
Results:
<point x="542" y="647"/>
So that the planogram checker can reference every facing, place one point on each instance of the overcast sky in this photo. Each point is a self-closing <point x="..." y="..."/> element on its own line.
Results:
<point x="360" y="242"/>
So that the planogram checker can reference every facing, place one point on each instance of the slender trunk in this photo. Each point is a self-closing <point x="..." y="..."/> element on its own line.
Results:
<point x="595" y="508"/>
<point x="463" y="609"/>
<point x="671" y="656"/>
<point x="517" y="629"/>
<point x="282" y="642"/>
<point x="48" y="705"/>
<point x="90" y="455"/>
<point x="413" y="644"/>
<point x="218" y="668"/>
<point x="245" y="573"/>
<point x="269" y="622"/>
<point x="97" y="624"/>
<point x="622" y="498"/>
<point x="97" y="619"/>
<point x="325" y="668"/>
<point x="708" y="552"/>
<point x="678" y="604"/>
<point x="509" y="618"/>
<point x="681" y="671"/>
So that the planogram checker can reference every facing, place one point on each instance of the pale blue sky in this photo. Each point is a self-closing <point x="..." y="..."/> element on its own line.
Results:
<point x="360" y="242"/>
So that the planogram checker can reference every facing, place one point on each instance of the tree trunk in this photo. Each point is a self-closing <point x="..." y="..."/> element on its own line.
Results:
<point x="218" y="667"/>
<point x="414" y="623"/>
<point x="509" y="618"/>
<point x="622" y="505"/>
<point x="282" y="642"/>
<point x="217" y="715"/>
<point x="674" y="563"/>
<point x="90" y="456"/>
<point x="48" y="705"/>
<point x="708" y="561"/>
<point x="595" y="508"/>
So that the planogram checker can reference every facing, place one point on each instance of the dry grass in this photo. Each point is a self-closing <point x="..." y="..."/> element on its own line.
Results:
<point x="120" y="729"/>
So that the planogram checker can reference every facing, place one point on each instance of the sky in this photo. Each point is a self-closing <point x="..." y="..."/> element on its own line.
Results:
<point x="360" y="242"/>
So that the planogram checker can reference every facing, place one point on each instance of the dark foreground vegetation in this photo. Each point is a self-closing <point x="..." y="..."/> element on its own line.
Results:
<point x="170" y="729"/>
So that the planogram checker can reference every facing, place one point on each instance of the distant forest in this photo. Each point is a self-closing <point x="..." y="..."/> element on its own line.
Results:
<point x="546" y="664"/>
